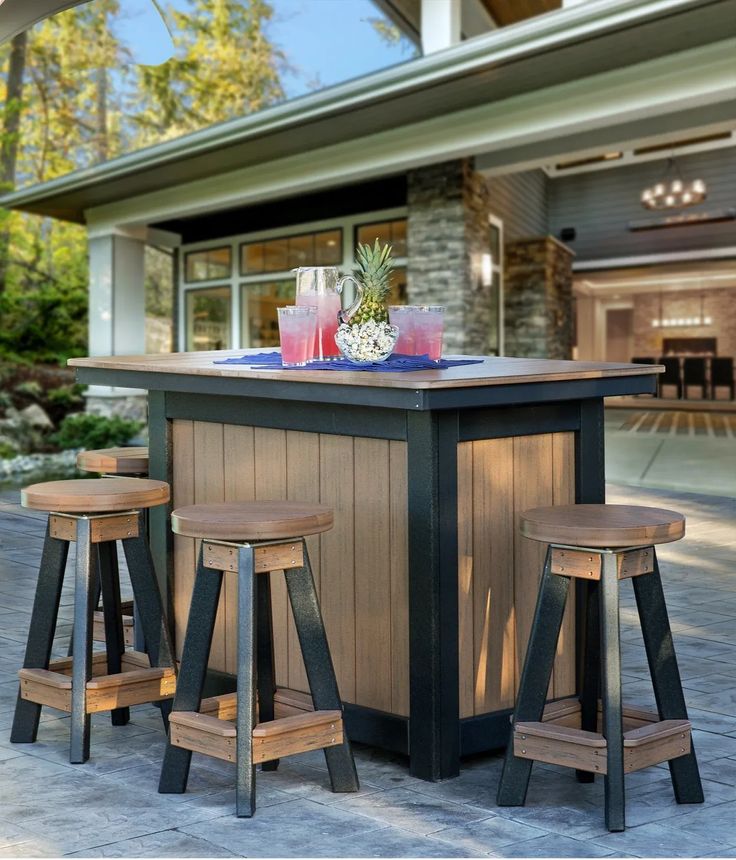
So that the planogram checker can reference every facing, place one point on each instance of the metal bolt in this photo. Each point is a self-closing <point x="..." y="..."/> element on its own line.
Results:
<point x="332" y="726"/>
<point x="523" y="737"/>
<point x="332" y="740"/>
<point x="523" y="752"/>
<point x="561" y="567"/>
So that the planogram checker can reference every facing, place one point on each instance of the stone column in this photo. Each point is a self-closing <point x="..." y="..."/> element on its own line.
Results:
<point x="117" y="316"/>
<point x="447" y="235"/>
<point x="538" y="298"/>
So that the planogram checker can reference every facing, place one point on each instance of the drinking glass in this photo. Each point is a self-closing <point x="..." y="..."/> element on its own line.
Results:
<point x="428" y="322"/>
<point x="403" y="318"/>
<point x="320" y="287"/>
<point x="297" y="330"/>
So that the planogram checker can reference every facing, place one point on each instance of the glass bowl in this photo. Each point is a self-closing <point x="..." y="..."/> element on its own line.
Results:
<point x="366" y="343"/>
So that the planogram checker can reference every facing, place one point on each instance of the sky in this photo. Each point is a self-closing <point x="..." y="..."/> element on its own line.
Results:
<point x="325" y="41"/>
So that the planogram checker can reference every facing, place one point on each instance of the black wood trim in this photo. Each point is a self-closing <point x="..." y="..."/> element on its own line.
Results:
<point x="433" y="608"/>
<point x="494" y="423"/>
<point x="338" y="419"/>
<point x="485" y="732"/>
<point x="160" y="468"/>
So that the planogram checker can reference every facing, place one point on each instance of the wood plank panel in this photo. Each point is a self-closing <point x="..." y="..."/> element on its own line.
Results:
<point x="337" y="489"/>
<point x="270" y="482"/>
<point x="532" y="489"/>
<point x="563" y="493"/>
<point x="399" y="536"/>
<point x="209" y="486"/>
<point x="184" y="547"/>
<point x="372" y="573"/>
<point x="493" y="489"/>
<point x="240" y="486"/>
<point x="302" y="485"/>
<point x="465" y="579"/>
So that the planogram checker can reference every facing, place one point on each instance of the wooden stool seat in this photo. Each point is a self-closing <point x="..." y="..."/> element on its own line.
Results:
<point x="250" y="521"/>
<point x="95" y="495"/>
<point x="607" y="526"/>
<point x="114" y="461"/>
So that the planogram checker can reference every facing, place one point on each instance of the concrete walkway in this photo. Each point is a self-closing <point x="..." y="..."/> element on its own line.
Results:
<point x="672" y="450"/>
<point x="110" y="806"/>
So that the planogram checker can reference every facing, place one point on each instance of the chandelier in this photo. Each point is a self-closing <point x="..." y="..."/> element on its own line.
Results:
<point x="701" y="319"/>
<point x="672" y="192"/>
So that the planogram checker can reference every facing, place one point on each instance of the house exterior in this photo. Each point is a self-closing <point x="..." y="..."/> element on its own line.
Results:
<point x="505" y="165"/>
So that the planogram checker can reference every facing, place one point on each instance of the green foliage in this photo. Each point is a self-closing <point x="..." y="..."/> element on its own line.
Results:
<point x="5" y="400"/>
<point x="31" y="388"/>
<point x="84" y="430"/>
<point x="7" y="450"/>
<point x="66" y="396"/>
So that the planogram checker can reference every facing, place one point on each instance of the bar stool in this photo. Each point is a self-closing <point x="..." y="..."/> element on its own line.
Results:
<point x="253" y="539"/>
<point x="116" y="462"/>
<point x="601" y="544"/>
<point x="95" y="514"/>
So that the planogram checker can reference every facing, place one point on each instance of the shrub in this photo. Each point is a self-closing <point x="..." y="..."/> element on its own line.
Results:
<point x="84" y="430"/>
<point x="65" y="396"/>
<point x="30" y="388"/>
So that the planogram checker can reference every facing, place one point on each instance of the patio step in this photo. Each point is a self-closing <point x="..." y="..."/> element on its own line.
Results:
<point x="136" y="684"/>
<point x="646" y="745"/>
<point x="217" y="737"/>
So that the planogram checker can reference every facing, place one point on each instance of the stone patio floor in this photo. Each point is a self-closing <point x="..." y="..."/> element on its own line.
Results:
<point x="110" y="806"/>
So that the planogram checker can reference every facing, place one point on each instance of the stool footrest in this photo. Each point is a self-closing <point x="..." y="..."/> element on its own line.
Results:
<point x="566" y="745"/>
<point x="213" y="736"/>
<point x="137" y="684"/>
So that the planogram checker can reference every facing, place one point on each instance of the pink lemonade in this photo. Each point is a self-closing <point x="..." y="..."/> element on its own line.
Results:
<point x="297" y="330"/>
<point x="403" y="318"/>
<point x="328" y="306"/>
<point x="428" y="325"/>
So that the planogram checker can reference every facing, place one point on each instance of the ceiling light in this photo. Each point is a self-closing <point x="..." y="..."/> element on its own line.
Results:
<point x="672" y="192"/>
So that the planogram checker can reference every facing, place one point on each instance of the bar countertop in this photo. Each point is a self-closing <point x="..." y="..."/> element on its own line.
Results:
<point x="197" y="372"/>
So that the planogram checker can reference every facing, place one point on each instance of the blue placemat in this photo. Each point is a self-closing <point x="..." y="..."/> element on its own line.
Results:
<point x="394" y="364"/>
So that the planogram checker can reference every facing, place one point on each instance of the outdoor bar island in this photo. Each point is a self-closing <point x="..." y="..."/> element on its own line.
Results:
<point x="426" y="587"/>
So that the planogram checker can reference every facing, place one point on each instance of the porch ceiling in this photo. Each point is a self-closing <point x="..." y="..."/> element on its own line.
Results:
<point x="589" y="39"/>
<point x="506" y="12"/>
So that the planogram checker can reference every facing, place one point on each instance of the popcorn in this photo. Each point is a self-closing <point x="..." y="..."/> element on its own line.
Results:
<point x="367" y="342"/>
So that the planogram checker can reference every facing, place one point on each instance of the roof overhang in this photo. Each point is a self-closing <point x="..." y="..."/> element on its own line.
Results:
<point x="562" y="48"/>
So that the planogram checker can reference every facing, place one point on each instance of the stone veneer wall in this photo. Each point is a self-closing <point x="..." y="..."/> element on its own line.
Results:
<point x="538" y="298"/>
<point x="447" y="234"/>
<point x="718" y="304"/>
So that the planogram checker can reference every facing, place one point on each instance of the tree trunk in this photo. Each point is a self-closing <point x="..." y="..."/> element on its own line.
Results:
<point x="11" y="126"/>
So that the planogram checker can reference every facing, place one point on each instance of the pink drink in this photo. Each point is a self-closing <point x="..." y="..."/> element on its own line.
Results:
<point x="428" y="324"/>
<point x="297" y="330"/>
<point x="328" y="306"/>
<point x="403" y="318"/>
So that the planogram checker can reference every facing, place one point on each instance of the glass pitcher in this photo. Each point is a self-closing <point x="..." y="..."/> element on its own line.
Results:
<point x="320" y="287"/>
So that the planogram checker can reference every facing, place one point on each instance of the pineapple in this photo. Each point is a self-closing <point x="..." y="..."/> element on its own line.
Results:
<point x="375" y="266"/>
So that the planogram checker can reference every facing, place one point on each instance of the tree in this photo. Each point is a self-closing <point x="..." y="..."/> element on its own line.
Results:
<point x="11" y="124"/>
<point x="226" y="67"/>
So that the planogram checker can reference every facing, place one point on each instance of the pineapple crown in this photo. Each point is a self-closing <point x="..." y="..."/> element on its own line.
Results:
<point x="375" y="265"/>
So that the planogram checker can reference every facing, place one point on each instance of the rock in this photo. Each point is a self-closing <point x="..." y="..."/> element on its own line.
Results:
<point x="35" y="416"/>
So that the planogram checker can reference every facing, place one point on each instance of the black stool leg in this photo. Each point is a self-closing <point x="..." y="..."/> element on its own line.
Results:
<point x="41" y="632"/>
<point x="245" y="787"/>
<point x="540" y="658"/>
<point x="190" y="683"/>
<point x="611" y="677"/>
<point x="655" y="628"/>
<point x="265" y="671"/>
<point x="590" y="682"/>
<point x="320" y="670"/>
<point x="87" y="572"/>
<point x="114" y="639"/>
<point x="150" y="606"/>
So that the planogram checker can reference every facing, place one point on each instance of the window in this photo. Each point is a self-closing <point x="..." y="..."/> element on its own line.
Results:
<point x="259" y="322"/>
<point x="209" y="265"/>
<point x="281" y="255"/>
<point x="393" y="232"/>
<point x="208" y="318"/>
<point x="397" y="295"/>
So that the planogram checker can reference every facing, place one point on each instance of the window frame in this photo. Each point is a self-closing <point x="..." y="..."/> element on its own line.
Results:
<point x="347" y="266"/>
<point x="220" y="246"/>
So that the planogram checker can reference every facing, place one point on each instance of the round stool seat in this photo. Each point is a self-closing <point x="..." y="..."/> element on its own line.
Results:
<point x="114" y="461"/>
<point x="244" y="521"/>
<point x="95" y="495"/>
<point x="608" y="526"/>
